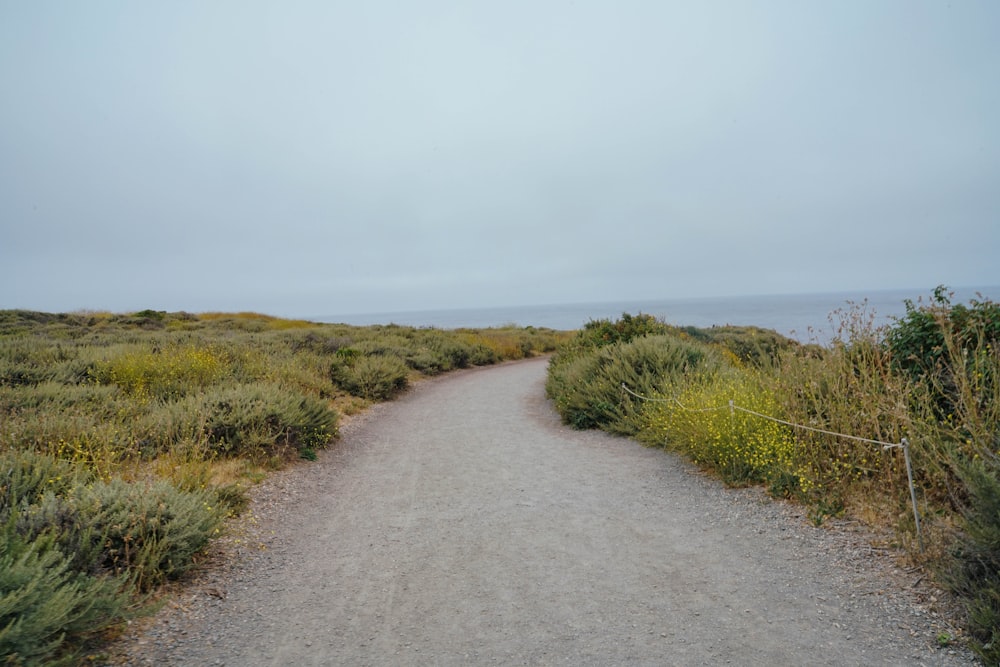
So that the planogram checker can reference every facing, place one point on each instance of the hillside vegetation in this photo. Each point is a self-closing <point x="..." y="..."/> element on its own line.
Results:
<point x="932" y="378"/>
<point x="127" y="440"/>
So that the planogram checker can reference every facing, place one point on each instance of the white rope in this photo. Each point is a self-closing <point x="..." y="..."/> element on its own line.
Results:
<point x="733" y="406"/>
<point x="885" y="445"/>
<point x="669" y="400"/>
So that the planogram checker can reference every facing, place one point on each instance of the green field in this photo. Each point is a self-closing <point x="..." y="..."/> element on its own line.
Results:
<point x="126" y="440"/>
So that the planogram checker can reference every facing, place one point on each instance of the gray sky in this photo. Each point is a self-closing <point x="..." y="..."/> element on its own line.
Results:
<point x="308" y="158"/>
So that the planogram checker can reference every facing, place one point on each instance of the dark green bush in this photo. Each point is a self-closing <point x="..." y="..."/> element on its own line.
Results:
<point x="598" y="333"/>
<point x="935" y="342"/>
<point x="951" y="355"/>
<point x="426" y="361"/>
<point x="974" y="571"/>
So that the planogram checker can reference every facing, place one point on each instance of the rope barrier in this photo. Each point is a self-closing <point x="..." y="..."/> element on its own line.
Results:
<point x="733" y="406"/>
<point x="902" y="444"/>
<point x="669" y="400"/>
<point x="885" y="445"/>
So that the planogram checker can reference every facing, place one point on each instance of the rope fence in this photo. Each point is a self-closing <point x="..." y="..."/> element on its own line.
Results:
<point x="903" y="444"/>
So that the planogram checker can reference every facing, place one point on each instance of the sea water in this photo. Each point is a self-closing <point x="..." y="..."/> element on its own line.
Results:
<point x="805" y="317"/>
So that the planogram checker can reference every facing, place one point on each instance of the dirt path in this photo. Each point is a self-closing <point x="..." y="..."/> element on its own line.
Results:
<point x="464" y="525"/>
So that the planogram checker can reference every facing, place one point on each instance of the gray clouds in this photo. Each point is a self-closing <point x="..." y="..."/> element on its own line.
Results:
<point x="307" y="158"/>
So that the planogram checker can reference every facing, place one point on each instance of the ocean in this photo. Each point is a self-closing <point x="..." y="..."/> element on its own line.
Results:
<point x="804" y="317"/>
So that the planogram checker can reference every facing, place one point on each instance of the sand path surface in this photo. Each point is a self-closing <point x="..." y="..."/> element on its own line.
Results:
<point x="463" y="525"/>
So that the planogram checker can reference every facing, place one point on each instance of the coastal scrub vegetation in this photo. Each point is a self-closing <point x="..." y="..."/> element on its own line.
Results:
<point x="126" y="440"/>
<point x="931" y="377"/>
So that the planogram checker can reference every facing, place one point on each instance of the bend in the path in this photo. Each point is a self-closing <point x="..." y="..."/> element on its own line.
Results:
<point x="465" y="525"/>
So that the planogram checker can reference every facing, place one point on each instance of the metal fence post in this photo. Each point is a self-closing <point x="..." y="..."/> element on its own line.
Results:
<point x="913" y="493"/>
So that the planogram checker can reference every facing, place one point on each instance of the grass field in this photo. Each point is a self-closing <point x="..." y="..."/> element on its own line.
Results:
<point x="126" y="440"/>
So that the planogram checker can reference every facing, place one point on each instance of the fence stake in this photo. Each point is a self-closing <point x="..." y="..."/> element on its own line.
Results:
<point x="913" y="493"/>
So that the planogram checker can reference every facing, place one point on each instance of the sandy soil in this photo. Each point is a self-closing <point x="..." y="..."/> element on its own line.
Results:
<point x="464" y="525"/>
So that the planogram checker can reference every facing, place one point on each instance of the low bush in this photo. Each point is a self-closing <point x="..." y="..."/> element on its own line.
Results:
<point x="163" y="374"/>
<point x="262" y="421"/>
<point x="598" y="333"/>
<point x="750" y="346"/>
<point x="375" y="378"/>
<point x="586" y="383"/>
<point x="972" y="569"/>
<point x="148" y="530"/>
<point x="48" y="611"/>
<point x="26" y="477"/>
<point x="454" y="353"/>
<point x="74" y="550"/>
<point x="54" y="397"/>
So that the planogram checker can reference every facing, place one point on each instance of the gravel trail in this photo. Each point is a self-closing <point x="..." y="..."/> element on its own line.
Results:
<point x="463" y="525"/>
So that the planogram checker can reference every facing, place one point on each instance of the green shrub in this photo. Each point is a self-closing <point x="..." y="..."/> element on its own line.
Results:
<point x="48" y="610"/>
<point x="178" y="427"/>
<point x="149" y="531"/>
<point x="940" y="345"/>
<point x="376" y="378"/>
<point x="586" y="385"/>
<point x="456" y="353"/>
<point x="598" y="333"/>
<point x="388" y="345"/>
<point x="265" y="420"/>
<point x="426" y="361"/>
<point x="26" y="477"/>
<point x="483" y="355"/>
<point x="973" y="570"/>
<point x="73" y="550"/>
<point x="751" y="346"/>
<point x="951" y="353"/>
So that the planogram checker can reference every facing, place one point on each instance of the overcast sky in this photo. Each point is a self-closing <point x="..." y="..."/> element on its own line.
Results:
<point x="307" y="158"/>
